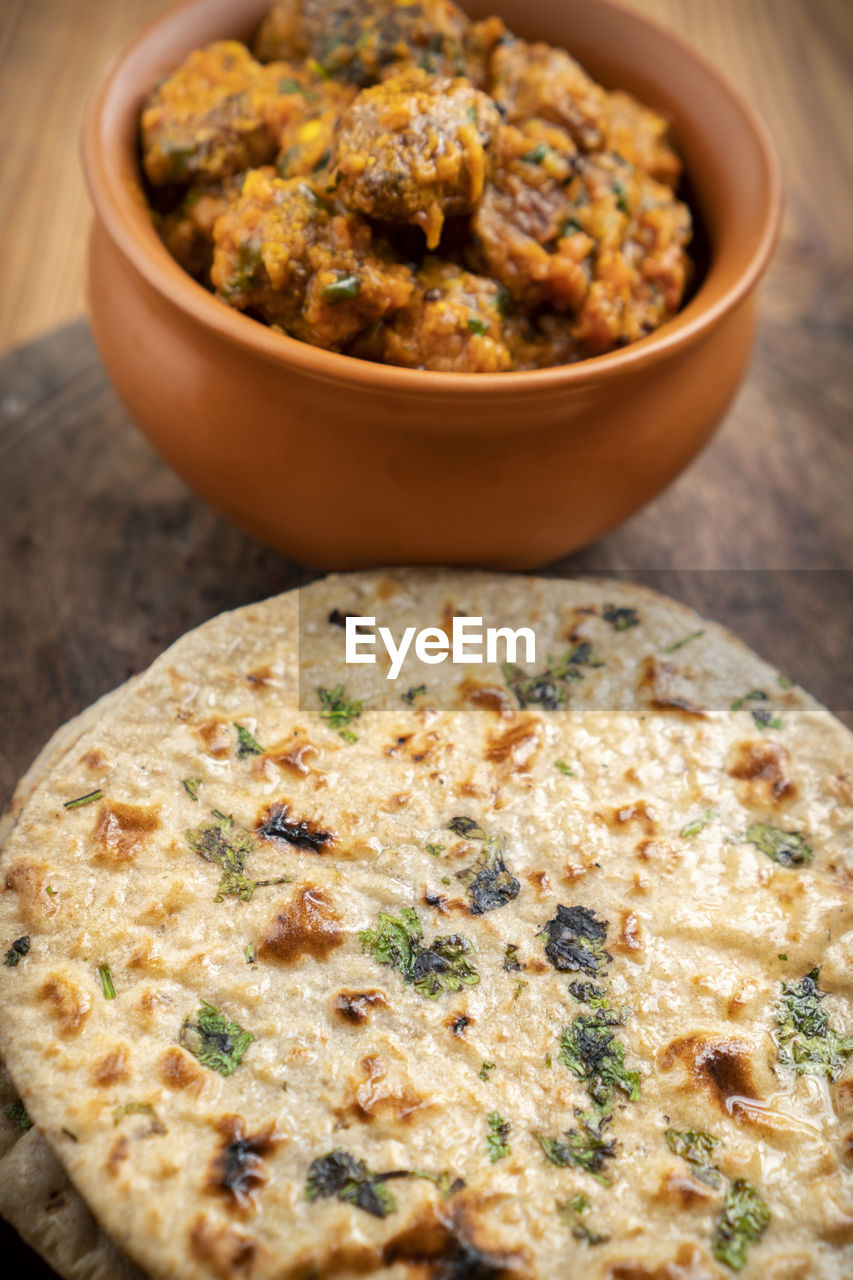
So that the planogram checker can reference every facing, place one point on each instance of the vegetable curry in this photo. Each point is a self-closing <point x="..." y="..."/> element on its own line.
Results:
<point x="387" y="179"/>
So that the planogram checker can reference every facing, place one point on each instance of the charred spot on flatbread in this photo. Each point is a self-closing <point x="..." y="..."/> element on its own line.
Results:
<point x="356" y="1006"/>
<point x="302" y="833"/>
<point x="239" y="1170"/>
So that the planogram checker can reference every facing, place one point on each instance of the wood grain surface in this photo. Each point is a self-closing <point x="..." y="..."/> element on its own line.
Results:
<point x="106" y="557"/>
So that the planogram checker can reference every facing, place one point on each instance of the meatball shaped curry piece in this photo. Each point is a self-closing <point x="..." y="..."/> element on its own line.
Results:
<point x="588" y="235"/>
<point x="360" y="41"/>
<point x="307" y="140"/>
<point x="452" y="323"/>
<point x="536" y="81"/>
<point x="284" y="255"/>
<point x="187" y="231"/>
<point x="282" y="35"/>
<point x="219" y="113"/>
<point x="416" y="149"/>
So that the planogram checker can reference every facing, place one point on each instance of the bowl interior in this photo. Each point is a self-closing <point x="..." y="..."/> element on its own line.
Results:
<point x="733" y="180"/>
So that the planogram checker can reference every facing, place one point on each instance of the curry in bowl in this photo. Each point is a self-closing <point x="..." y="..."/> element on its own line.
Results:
<point x="392" y="181"/>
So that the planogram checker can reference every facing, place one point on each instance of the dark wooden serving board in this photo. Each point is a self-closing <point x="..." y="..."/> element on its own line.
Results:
<point x="107" y="557"/>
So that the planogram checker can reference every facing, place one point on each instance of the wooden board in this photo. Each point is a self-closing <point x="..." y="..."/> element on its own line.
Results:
<point x="108" y="557"/>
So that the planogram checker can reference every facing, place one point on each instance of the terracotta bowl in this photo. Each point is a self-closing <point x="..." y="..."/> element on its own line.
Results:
<point x="341" y="463"/>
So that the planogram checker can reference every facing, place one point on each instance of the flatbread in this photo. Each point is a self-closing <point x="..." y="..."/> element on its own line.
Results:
<point x="36" y="1195"/>
<point x="37" y="1198"/>
<point x="643" y="800"/>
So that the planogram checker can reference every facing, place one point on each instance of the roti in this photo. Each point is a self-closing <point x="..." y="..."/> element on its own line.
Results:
<point x="524" y="970"/>
<point x="36" y="1196"/>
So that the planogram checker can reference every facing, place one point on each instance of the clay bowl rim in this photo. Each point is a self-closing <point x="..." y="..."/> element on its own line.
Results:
<point x="126" y="219"/>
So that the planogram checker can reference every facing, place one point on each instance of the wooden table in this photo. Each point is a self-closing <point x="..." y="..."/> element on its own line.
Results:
<point x="107" y="557"/>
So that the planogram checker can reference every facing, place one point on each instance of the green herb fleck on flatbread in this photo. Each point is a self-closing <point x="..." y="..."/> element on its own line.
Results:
<point x="582" y="1148"/>
<point x="81" y="801"/>
<point x="744" y="1220"/>
<point x="339" y="710"/>
<point x="591" y="1052"/>
<point x="489" y="883"/>
<point x="339" y="1174"/>
<point x="441" y="967"/>
<point x="570" y="1211"/>
<point x="550" y="688"/>
<point x="107" y="982"/>
<point x="214" y="1041"/>
<point x="679" y="644"/>
<point x="698" y="824"/>
<point x="697" y="1148"/>
<point x="497" y="1139"/>
<point x="246" y="744"/>
<point x="788" y="848"/>
<point x="18" y="1114"/>
<point x="140" y="1109"/>
<point x="18" y="949"/>
<point x="807" y="1042"/>
<point x="754" y="695"/>
<point x="574" y="940"/>
<point x="620" y="619"/>
<point x="228" y="848"/>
